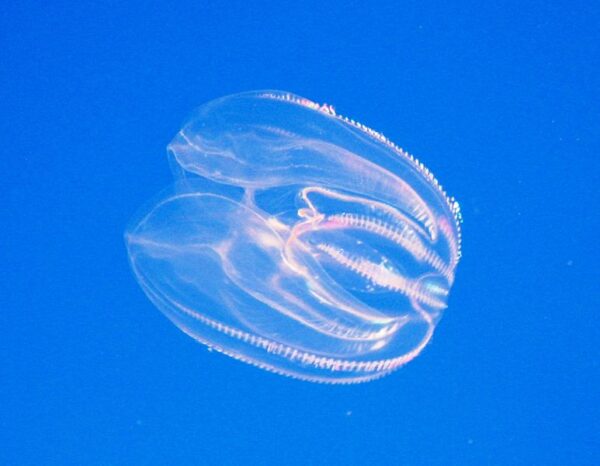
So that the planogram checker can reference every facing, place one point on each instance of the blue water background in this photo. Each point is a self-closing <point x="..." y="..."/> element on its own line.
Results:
<point x="499" y="99"/>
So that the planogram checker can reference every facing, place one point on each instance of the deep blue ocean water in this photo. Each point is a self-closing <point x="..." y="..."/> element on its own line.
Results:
<point x="500" y="100"/>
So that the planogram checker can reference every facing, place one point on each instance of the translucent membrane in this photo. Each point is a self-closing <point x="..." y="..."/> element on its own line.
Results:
<point x="297" y="240"/>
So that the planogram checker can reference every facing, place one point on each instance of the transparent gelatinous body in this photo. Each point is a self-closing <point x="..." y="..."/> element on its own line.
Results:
<point x="297" y="240"/>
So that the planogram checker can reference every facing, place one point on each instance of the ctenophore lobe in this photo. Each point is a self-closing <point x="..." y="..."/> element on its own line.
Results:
<point x="297" y="240"/>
